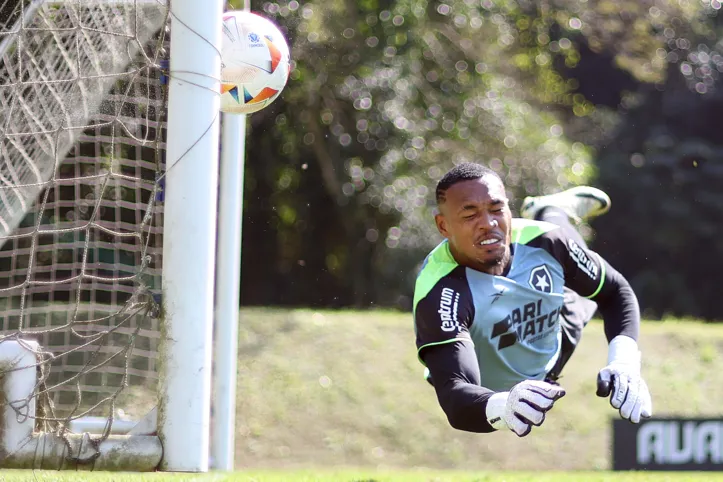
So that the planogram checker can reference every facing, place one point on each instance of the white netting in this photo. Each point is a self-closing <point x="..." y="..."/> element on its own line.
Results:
<point x="81" y="151"/>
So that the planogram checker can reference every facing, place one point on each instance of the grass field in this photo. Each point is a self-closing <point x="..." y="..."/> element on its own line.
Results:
<point x="328" y="389"/>
<point x="360" y="476"/>
<point x="321" y="391"/>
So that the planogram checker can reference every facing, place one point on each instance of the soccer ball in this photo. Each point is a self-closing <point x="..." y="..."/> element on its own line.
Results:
<point x="254" y="62"/>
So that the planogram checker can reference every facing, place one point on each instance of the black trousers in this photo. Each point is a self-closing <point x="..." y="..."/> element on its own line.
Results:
<point x="577" y="311"/>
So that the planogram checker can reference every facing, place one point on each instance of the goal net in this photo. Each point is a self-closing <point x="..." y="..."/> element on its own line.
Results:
<point x="82" y="143"/>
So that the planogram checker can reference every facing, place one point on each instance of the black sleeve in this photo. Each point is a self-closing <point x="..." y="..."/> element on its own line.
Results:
<point x="442" y="320"/>
<point x="456" y="379"/>
<point x="588" y="274"/>
<point x="618" y="305"/>
<point x="445" y="313"/>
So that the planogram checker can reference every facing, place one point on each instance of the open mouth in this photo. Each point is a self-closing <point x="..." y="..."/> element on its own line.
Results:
<point x="490" y="242"/>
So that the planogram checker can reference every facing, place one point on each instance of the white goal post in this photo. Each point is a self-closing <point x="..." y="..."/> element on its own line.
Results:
<point x="190" y="225"/>
<point x="109" y="170"/>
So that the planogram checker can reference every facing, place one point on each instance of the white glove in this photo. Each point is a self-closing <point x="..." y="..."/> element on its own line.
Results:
<point x="523" y="406"/>
<point x="621" y="380"/>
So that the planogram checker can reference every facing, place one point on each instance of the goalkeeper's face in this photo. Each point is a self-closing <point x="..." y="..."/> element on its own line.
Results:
<point x="475" y="217"/>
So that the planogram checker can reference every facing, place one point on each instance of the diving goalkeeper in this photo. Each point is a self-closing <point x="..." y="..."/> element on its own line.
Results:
<point x="499" y="305"/>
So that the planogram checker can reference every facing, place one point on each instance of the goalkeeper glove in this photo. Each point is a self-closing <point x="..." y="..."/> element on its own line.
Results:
<point x="621" y="380"/>
<point x="523" y="406"/>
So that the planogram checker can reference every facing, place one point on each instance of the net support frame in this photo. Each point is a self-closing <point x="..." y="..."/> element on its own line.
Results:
<point x="21" y="447"/>
<point x="228" y="287"/>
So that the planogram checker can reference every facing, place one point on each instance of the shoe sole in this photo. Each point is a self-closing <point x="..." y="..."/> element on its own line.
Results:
<point x="587" y="192"/>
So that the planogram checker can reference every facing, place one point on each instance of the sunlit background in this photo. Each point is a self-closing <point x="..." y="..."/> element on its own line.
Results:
<point x="340" y="171"/>
<point x="385" y="96"/>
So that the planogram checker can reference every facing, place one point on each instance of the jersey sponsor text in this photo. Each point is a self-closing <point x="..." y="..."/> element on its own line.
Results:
<point x="527" y="324"/>
<point x="448" y="303"/>
<point x="581" y="259"/>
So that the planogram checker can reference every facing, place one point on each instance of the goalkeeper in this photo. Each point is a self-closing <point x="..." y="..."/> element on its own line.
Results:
<point x="499" y="308"/>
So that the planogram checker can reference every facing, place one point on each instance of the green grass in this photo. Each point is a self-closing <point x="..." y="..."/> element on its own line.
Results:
<point x="327" y="389"/>
<point x="359" y="476"/>
<point x="320" y="391"/>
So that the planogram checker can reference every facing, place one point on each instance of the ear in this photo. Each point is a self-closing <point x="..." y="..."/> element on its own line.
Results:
<point x="441" y="224"/>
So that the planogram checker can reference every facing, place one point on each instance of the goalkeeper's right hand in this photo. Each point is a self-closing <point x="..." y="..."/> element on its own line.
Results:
<point x="523" y="406"/>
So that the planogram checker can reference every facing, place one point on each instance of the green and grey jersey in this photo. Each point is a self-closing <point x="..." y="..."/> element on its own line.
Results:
<point x="513" y="321"/>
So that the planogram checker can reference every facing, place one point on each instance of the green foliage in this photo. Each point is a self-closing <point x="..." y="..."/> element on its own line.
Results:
<point x="385" y="96"/>
<point x="666" y="185"/>
<point x="663" y="169"/>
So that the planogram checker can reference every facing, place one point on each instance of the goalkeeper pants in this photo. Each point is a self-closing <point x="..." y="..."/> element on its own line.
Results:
<point x="576" y="311"/>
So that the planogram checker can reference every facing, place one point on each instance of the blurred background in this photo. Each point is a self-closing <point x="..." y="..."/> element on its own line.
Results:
<point x="385" y="96"/>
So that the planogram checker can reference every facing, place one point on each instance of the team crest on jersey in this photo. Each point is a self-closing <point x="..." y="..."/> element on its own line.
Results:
<point x="540" y="279"/>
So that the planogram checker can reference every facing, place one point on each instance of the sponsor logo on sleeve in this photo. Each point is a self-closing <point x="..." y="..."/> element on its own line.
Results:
<point x="582" y="260"/>
<point x="448" y="304"/>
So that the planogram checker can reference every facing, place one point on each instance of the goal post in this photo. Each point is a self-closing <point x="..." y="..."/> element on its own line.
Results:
<point x="228" y="287"/>
<point x="190" y="231"/>
<point x="109" y="165"/>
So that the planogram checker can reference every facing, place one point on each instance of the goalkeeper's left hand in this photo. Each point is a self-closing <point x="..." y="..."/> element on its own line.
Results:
<point x="621" y="380"/>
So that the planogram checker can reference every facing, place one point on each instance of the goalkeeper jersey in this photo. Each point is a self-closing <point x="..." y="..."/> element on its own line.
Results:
<point x="513" y="320"/>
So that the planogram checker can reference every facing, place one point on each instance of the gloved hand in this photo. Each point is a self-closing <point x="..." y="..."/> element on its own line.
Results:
<point x="523" y="406"/>
<point x="622" y="382"/>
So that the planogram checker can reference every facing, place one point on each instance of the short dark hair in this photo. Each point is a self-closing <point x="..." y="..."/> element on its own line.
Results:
<point x="467" y="171"/>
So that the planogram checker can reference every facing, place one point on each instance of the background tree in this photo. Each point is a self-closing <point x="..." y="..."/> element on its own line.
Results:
<point x="386" y="95"/>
